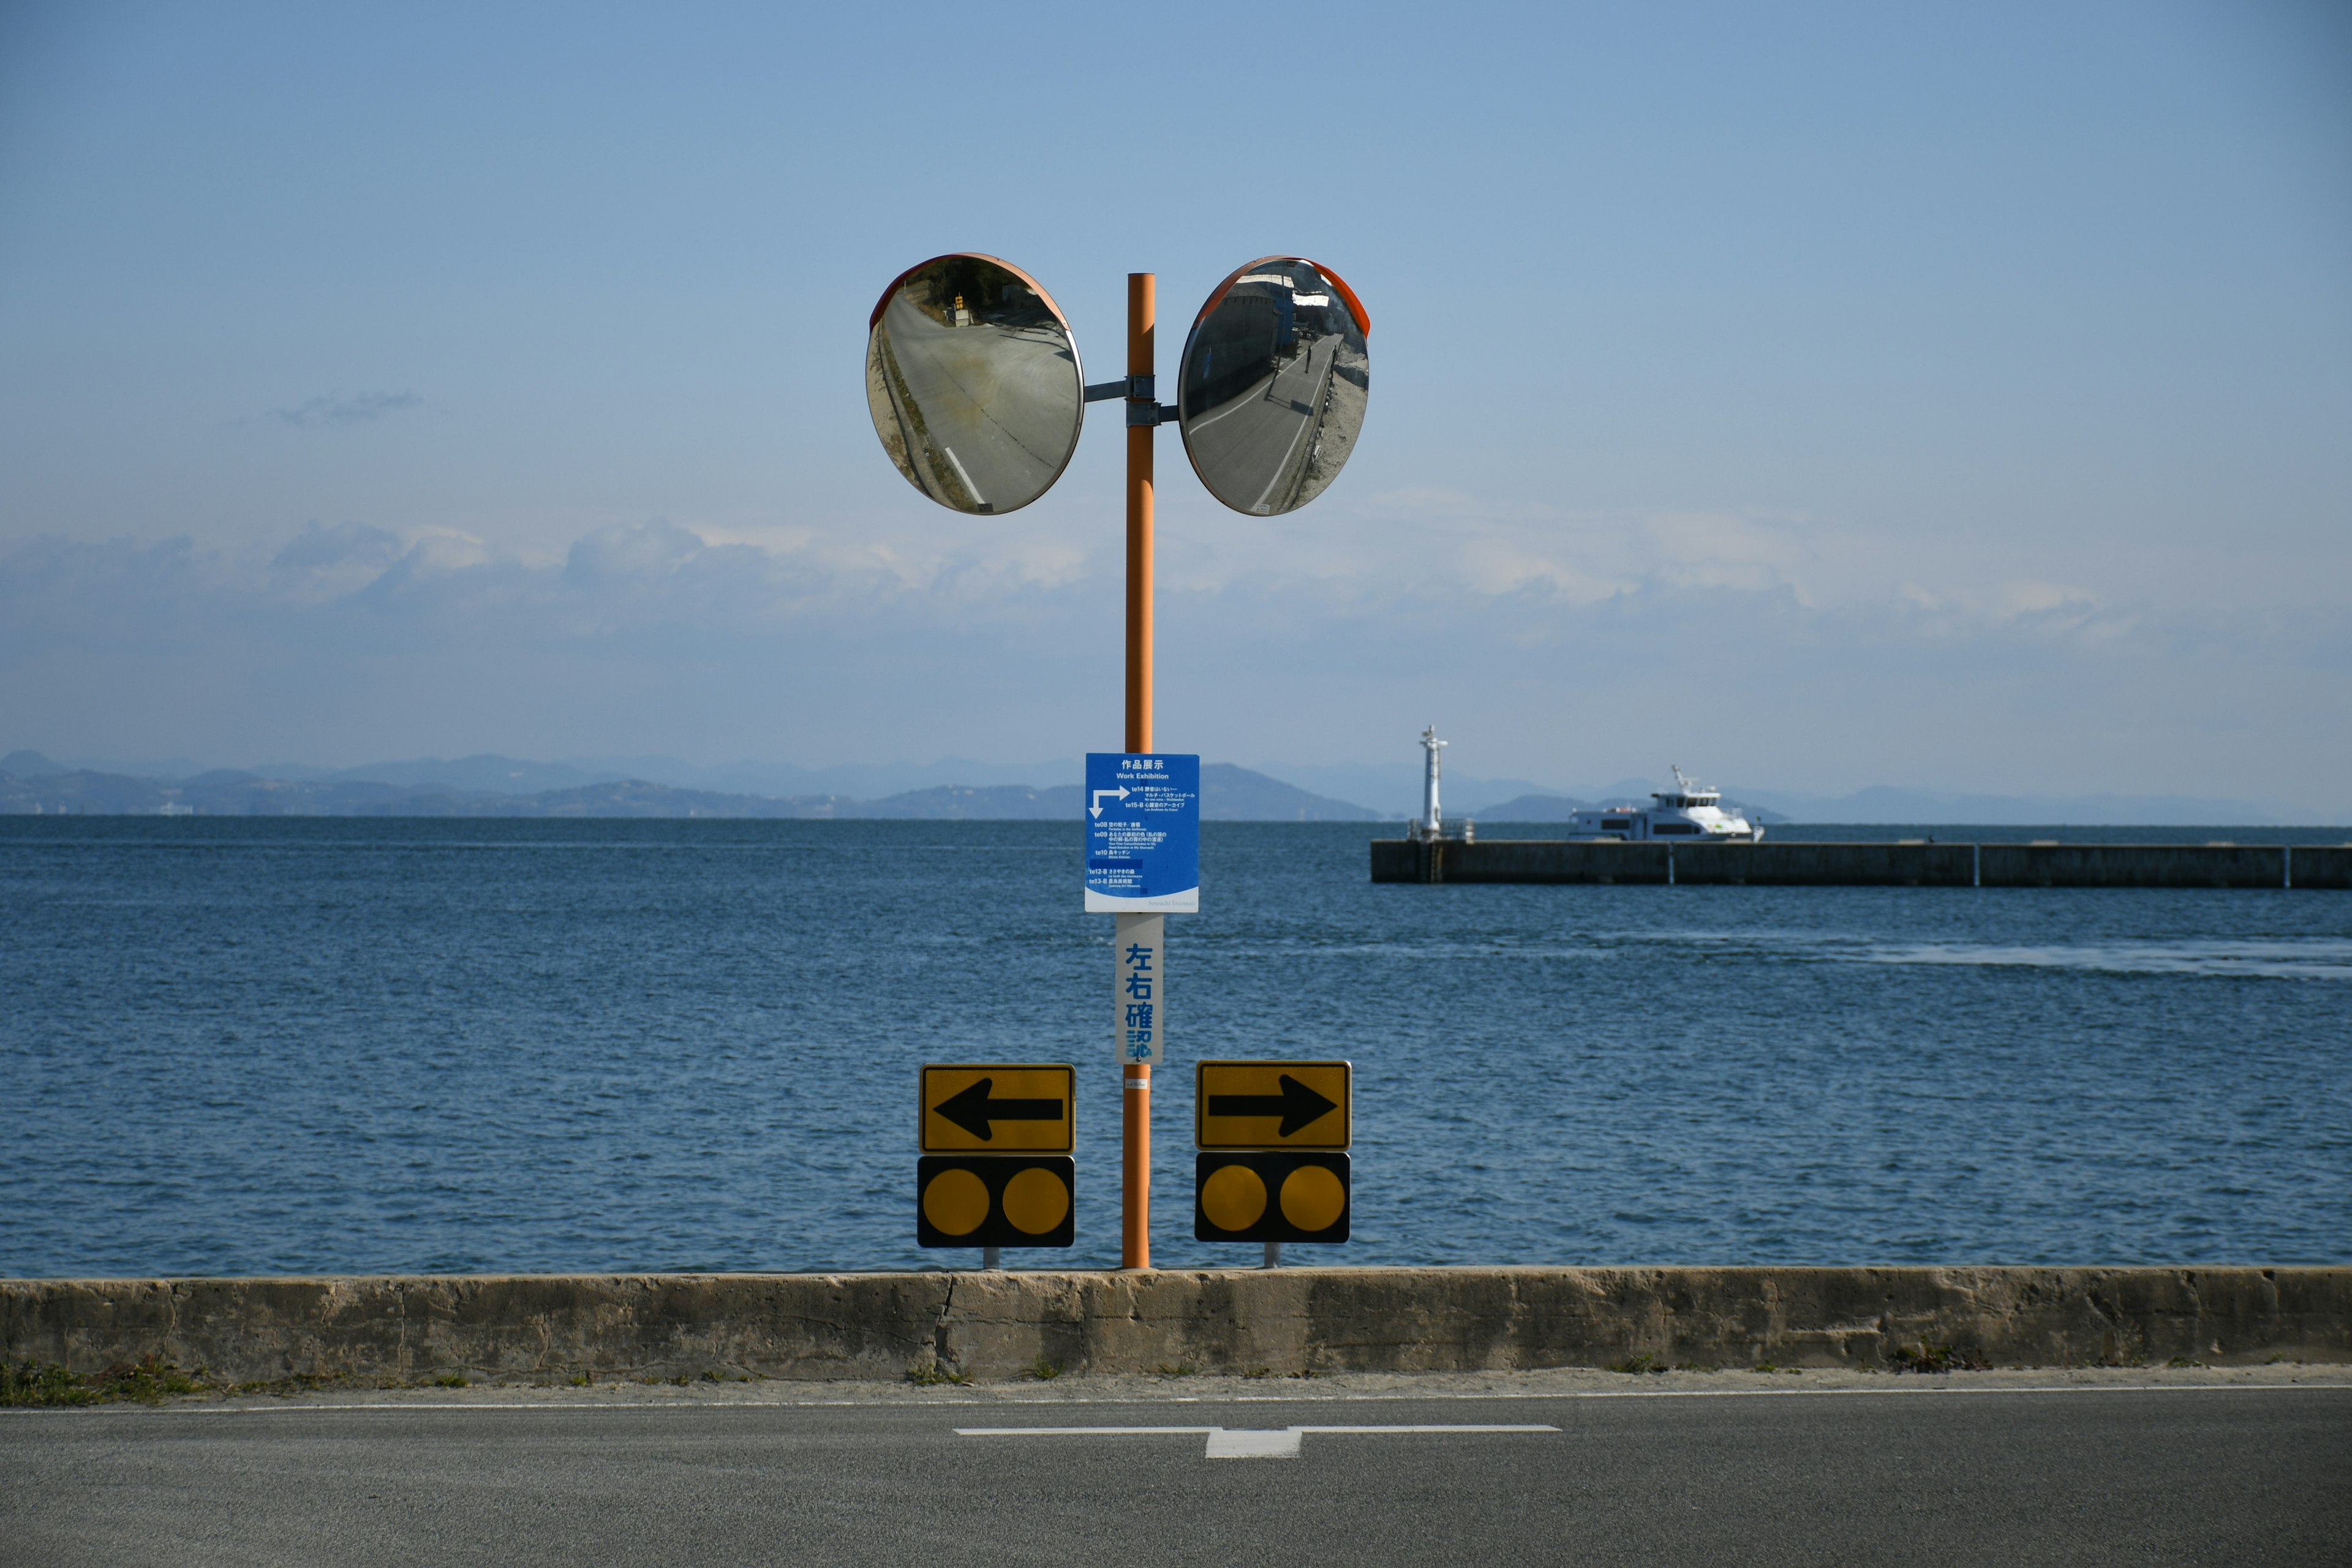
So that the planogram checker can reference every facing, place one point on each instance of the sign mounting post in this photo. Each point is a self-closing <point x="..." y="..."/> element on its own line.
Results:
<point x="973" y="381"/>
<point x="1135" y="1088"/>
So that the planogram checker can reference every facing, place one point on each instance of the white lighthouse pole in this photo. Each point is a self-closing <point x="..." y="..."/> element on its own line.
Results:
<point x="1431" y="826"/>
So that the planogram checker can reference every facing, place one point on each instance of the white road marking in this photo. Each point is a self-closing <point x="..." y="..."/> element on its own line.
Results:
<point x="969" y="489"/>
<point x="1248" y="397"/>
<point x="1231" y="1442"/>
<point x="1081" y="1431"/>
<point x="1307" y="422"/>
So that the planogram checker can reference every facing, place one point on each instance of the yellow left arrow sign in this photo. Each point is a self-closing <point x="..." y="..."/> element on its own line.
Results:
<point x="989" y="1108"/>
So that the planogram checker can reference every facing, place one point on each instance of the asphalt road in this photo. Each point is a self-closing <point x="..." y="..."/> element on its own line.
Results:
<point x="1003" y="401"/>
<point x="1250" y="451"/>
<point x="2241" y="1476"/>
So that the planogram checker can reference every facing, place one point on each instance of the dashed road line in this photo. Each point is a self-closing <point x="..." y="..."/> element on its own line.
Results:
<point x="1241" y="1442"/>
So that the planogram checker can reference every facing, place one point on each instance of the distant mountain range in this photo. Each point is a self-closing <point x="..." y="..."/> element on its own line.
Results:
<point x="952" y="788"/>
<point x="1883" y="803"/>
<point x="1397" y="787"/>
<point x="31" y="784"/>
<point x="491" y="774"/>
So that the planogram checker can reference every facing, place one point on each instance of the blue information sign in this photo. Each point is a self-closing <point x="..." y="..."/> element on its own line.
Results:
<point x="1143" y="833"/>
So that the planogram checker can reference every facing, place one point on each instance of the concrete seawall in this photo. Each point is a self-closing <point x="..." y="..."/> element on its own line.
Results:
<point x="997" y="1325"/>
<point x="1797" y="864"/>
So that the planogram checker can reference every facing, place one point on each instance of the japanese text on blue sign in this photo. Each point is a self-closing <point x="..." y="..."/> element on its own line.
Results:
<point x="1143" y="832"/>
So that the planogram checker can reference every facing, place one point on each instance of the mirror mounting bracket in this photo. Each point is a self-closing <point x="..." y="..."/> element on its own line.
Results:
<point x="1144" y="412"/>
<point x="1130" y="386"/>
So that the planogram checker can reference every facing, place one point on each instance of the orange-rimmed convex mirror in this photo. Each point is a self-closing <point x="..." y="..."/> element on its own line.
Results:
<point x="1272" y="389"/>
<point x="974" y="379"/>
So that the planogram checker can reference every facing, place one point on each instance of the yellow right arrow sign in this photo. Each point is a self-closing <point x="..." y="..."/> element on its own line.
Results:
<point x="1273" y="1105"/>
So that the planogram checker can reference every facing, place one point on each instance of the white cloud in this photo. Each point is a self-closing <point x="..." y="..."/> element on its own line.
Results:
<point x="1717" y="550"/>
<point x="631" y="554"/>
<point x="335" y="410"/>
<point x="348" y="640"/>
<point x="1487" y="574"/>
<point x="2025" y="597"/>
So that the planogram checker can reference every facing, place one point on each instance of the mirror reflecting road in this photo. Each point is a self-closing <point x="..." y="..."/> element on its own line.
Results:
<point x="973" y="379"/>
<point x="1274" y="384"/>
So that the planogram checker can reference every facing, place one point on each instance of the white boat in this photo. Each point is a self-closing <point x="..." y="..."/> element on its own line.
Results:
<point x="1688" y="810"/>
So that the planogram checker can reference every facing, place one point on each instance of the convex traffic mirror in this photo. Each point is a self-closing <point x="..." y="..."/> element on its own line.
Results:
<point x="1272" y="388"/>
<point x="973" y="379"/>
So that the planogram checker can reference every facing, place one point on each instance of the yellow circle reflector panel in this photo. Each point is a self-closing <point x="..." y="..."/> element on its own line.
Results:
<point x="1312" y="1197"/>
<point x="956" y="1202"/>
<point x="1036" y="1200"/>
<point x="1271" y="1195"/>
<point x="1233" y="1197"/>
<point x="996" y="1200"/>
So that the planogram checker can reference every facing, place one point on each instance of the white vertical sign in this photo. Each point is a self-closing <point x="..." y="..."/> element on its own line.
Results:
<point x="1138" y="951"/>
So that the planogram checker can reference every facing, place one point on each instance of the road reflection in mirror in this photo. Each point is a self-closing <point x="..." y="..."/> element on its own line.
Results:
<point x="972" y="376"/>
<point x="1273" y="385"/>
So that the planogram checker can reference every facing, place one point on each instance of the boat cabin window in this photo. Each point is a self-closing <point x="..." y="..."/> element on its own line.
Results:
<point x="1662" y="829"/>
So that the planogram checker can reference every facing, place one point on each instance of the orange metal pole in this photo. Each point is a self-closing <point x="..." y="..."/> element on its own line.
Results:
<point x="1135" y="1091"/>
<point x="1142" y="307"/>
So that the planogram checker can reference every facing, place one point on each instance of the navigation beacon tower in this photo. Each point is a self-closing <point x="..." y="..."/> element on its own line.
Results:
<point x="1431" y="823"/>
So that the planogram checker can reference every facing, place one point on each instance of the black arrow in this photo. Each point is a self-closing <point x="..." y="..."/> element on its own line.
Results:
<point x="1297" y="1105"/>
<point x="972" y="1109"/>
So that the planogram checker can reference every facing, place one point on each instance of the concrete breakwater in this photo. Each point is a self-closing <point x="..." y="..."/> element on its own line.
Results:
<point x="1900" y="865"/>
<point x="1008" y="1324"/>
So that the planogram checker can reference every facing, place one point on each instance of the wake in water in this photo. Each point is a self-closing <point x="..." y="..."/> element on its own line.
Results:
<point x="2318" y="958"/>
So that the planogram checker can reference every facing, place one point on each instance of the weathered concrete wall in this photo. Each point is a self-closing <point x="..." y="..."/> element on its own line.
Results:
<point x="1517" y="861"/>
<point x="2132" y="866"/>
<point x="1574" y="860"/>
<point x="2321" y="865"/>
<point x="1790" y="863"/>
<point x="1827" y="865"/>
<point x="1326" y="1319"/>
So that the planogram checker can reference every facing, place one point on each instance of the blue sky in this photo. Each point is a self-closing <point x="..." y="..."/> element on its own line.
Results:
<point x="1815" y="396"/>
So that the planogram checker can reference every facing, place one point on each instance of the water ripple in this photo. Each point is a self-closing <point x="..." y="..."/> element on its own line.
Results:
<point x="259" y="1045"/>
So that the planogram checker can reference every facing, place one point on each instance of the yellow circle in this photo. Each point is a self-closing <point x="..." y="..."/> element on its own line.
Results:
<point x="956" y="1201"/>
<point x="1233" y="1197"/>
<point x="1036" y="1200"/>
<point x="1312" y="1198"/>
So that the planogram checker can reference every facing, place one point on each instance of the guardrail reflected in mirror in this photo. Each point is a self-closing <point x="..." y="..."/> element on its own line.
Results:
<point x="1273" y="385"/>
<point x="972" y="377"/>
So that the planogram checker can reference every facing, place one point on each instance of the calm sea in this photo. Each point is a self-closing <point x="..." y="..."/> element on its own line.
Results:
<point x="234" y="1046"/>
